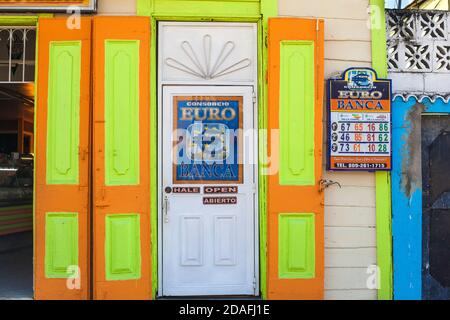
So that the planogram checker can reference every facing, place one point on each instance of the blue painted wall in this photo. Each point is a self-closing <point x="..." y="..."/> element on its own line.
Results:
<point x="407" y="198"/>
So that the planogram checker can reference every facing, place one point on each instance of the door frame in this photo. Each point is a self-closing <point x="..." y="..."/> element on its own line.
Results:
<point x="261" y="114"/>
<point x="256" y="230"/>
<point x="255" y="84"/>
<point x="29" y="20"/>
<point x="407" y="257"/>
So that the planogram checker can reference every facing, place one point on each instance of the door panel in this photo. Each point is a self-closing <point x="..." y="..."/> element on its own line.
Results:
<point x="208" y="194"/>
<point x="121" y="53"/>
<point x="296" y="119"/>
<point x="121" y="124"/>
<point x="294" y="199"/>
<point x="62" y="161"/>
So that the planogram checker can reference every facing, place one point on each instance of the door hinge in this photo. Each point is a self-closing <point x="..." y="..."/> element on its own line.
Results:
<point x="254" y="283"/>
<point x="254" y="97"/>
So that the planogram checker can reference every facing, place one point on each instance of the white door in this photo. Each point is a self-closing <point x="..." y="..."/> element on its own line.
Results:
<point x="208" y="194"/>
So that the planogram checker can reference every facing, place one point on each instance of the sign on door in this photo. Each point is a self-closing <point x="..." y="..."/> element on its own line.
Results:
<point x="209" y="138"/>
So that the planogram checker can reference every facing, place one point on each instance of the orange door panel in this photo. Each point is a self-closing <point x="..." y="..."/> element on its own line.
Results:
<point x="121" y="201"/>
<point x="295" y="202"/>
<point x="62" y="161"/>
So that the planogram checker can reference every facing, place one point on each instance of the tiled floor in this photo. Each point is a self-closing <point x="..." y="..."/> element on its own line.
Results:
<point x="16" y="267"/>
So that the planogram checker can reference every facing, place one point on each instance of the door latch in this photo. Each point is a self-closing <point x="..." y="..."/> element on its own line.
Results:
<point x="166" y="209"/>
<point x="324" y="183"/>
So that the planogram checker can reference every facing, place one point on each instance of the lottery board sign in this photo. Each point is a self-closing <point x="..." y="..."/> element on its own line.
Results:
<point x="359" y="122"/>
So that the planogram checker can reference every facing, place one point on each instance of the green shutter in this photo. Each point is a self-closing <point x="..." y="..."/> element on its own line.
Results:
<point x="122" y="112"/>
<point x="297" y="96"/>
<point x="63" y="118"/>
<point x="296" y="246"/>
<point x="61" y="243"/>
<point x="123" y="247"/>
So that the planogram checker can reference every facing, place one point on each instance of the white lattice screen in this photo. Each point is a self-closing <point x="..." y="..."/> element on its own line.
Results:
<point x="418" y="41"/>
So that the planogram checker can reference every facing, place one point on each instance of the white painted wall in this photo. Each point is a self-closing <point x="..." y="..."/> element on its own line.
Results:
<point x="350" y="234"/>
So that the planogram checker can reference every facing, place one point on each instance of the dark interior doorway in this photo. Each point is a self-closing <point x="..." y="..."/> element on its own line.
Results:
<point x="436" y="206"/>
<point x="17" y="68"/>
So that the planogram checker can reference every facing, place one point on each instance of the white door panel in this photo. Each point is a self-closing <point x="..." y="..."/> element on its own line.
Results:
<point x="208" y="249"/>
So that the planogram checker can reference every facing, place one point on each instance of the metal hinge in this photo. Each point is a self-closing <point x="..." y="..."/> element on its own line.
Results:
<point x="254" y="97"/>
<point x="254" y="283"/>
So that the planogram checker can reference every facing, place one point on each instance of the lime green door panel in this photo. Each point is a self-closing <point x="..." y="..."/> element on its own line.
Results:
<point x="296" y="246"/>
<point x="122" y="112"/>
<point x="63" y="123"/>
<point x="61" y="243"/>
<point x="297" y="93"/>
<point x="122" y="247"/>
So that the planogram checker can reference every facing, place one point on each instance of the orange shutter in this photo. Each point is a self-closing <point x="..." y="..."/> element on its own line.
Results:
<point x="121" y="158"/>
<point x="295" y="203"/>
<point x="62" y="161"/>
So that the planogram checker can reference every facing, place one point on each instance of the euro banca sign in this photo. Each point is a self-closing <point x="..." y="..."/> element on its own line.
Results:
<point x="359" y="122"/>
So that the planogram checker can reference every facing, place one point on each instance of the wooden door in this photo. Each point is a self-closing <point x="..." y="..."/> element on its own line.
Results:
<point x="436" y="207"/>
<point x="62" y="212"/>
<point x="294" y="200"/>
<point x="208" y="191"/>
<point x="121" y="196"/>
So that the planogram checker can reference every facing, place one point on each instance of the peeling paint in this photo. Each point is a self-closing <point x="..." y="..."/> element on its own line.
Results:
<point x="411" y="179"/>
